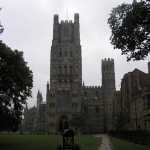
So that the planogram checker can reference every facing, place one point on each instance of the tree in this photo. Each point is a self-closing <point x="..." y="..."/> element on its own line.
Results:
<point x="130" y="26"/>
<point x="15" y="87"/>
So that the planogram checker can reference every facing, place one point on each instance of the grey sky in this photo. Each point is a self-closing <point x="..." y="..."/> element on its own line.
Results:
<point x="28" y="27"/>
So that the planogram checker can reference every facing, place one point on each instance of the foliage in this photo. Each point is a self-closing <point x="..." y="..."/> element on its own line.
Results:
<point x="129" y="24"/>
<point x="15" y="87"/>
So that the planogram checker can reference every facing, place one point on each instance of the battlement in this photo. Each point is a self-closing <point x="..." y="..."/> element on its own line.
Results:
<point x="108" y="74"/>
<point x="107" y="65"/>
<point x="107" y="60"/>
<point x="76" y="19"/>
<point x="91" y="87"/>
<point x="66" y="30"/>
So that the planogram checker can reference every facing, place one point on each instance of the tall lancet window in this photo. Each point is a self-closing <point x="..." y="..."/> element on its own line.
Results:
<point x="71" y="70"/>
<point x="60" y="70"/>
<point x="65" y="69"/>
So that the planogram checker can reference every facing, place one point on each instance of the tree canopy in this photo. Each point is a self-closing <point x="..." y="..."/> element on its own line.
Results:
<point x="15" y="87"/>
<point x="130" y="26"/>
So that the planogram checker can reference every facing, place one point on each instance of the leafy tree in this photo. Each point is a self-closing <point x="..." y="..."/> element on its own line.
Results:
<point x="15" y="87"/>
<point x="130" y="26"/>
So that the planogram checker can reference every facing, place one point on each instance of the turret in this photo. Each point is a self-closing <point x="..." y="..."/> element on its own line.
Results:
<point x="47" y="91"/>
<point x="56" y="29"/>
<point x="76" y="29"/>
<point x="66" y="31"/>
<point x="39" y="98"/>
<point x="56" y="19"/>
<point x="149" y="67"/>
<point x="108" y="88"/>
<point x="108" y="75"/>
<point x="76" y="18"/>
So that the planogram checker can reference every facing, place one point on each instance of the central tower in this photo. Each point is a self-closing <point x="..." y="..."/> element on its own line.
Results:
<point x="65" y="69"/>
<point x="65" y="72"/>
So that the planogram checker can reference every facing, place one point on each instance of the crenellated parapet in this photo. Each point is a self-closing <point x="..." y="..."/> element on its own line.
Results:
<point x="91" y="87"/>
<point x="107" y="65"/>
<point x="108" y="60"/>
<point x="66" y="30"/>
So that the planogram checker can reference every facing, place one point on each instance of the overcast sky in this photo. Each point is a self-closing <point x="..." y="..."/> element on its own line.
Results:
<point x="29" y="24"/>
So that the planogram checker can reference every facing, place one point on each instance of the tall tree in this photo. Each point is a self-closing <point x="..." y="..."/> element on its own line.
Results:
<point x="15" y="87"/>
<point x="130" y="26"/>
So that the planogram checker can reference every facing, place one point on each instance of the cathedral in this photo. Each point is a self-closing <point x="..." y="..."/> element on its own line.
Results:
<point x="86" y="108"/>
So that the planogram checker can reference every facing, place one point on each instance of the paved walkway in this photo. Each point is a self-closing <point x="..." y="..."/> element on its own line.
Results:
<point x="106" y="144"/>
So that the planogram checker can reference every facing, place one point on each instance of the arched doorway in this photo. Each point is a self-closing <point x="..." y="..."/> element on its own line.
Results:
<point x="63" y="123"/>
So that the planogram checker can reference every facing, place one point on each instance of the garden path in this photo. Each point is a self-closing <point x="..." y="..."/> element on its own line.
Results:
<point x="105" y="144"/>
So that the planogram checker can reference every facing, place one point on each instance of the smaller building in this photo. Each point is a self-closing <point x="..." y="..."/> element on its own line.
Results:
<point x="28" y="124"/>
<point x="134" y="101"/>
<point x="35" y="118"/>
<point x="93" y="109"/>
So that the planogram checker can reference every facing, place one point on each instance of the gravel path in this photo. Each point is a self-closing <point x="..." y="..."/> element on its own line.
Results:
<point x="106" y="144"/>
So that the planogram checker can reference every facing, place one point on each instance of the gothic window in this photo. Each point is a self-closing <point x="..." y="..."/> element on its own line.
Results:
<point x="52" y="105"/>
<point x="71" y="70"/>
<point x="65" y="53"/>
<point x="97" y="110"/>
<point x="52" y="124"/>
<point x="74" y="107"/>
<point x="60" y="70"/>
<point x="60" y="53"/>
<point x="63" y="91"/>
<point x="77" y="69"/>
<point x="97" y="93"/>
<point x="65" y="68"/>
<point x="70" y="80"/>
<point x="85" y="93"/>
<point x="71" y="54"/>
<point x="148" y="101"/>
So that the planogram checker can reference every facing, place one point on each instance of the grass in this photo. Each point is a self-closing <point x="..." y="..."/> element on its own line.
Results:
<point x="42" y="142"/>
<point x="124" y="145"/>
<point x="88" y="142"/>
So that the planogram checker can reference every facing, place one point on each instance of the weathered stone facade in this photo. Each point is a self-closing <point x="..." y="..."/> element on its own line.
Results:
<point x="67" y="99"/>
<point x="67" y="96"/>
<point x="134" y="101"/>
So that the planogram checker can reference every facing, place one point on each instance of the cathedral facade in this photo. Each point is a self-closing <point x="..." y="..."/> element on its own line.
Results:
<point x="88" y="108"/>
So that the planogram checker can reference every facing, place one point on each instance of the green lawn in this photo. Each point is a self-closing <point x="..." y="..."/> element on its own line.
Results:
<point x="124" y="145"/>
<point x="42" y="142"/>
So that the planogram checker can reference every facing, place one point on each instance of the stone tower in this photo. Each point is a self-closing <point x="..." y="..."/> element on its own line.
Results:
<point x="149" y="67"/>
<point x="65" y="69"/>
<point x="65" y="72"/>
<point x="39" y="99"/>
<point x="108" y="88"/>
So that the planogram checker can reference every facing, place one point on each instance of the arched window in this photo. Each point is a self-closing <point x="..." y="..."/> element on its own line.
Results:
<point x="97" y="109"/>
<point x="52" y="105"/>
<point x="74" y="107"/>
<point x="97" y="94"/>
<point x="65" y="68"/>
<point x="71" y="70"/>
<point x="85" y="93"/>
<point x="60" y="70"/>
<point x="71" y="54"/>
<point x="66" y="53"/>
<point x="60" y="53"/>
